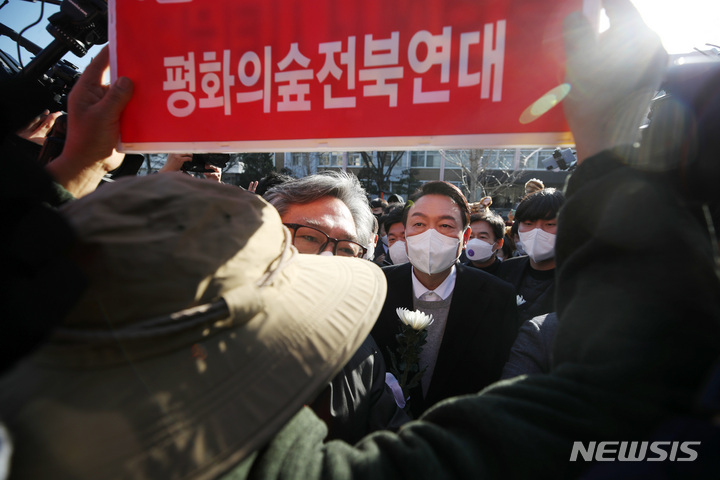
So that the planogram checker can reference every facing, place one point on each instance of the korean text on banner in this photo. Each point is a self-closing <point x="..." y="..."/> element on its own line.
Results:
<point x="274" y="75"/>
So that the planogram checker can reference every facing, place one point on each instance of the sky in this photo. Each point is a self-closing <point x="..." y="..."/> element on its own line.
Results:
<point x="682" y="25"/>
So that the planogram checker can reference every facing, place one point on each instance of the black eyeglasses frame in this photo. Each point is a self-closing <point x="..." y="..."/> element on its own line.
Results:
<point x="328" y="239"/>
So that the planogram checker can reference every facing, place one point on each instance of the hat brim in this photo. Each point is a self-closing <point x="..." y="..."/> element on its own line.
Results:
<point x="202" y="407"/>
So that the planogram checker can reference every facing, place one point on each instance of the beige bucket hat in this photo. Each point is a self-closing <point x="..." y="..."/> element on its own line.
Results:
<point x="202" y="332"/>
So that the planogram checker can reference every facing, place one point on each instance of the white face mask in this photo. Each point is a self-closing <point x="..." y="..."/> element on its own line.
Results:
<point x="539" y="244"/>
<point x="478" y="250"/>
<point x="370" y="254"/>
<point x="384" y="240"/>
<point x="432" y="252"/>
<point x="398" y="254"/>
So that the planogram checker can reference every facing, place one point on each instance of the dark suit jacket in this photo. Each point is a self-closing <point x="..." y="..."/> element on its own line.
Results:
<point x="532" y="351"/>
<point x="358" y="401"/>
<point x="481" y="328"/>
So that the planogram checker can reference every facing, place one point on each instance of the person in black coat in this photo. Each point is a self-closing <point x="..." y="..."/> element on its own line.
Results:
<point x="475" y="316"/>
<point x="533" y="275"/>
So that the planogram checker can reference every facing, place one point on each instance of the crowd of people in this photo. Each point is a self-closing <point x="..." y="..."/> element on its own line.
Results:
<point x="166" y="326"/>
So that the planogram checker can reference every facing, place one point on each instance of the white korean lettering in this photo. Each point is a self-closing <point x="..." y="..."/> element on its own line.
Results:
<point x="493" y="56"/>
<point x="438" y="53"/>
<point x="210" y="81"/>
<point x="380" y="53"/>
<point x="180" y="77"/>
<point x="466" y="79"/>
<point x="294" y="94"/>
<point x="331" y="68"/>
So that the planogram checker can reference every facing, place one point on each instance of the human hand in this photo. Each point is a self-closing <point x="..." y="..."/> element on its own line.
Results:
<point x="94" y="113"/>
<point x="253" y="186"/>
<point x="175" y="162"/>
<point x="612" y="77"/>
<point x="38" y="129"/>
<point x="216" y="173"/>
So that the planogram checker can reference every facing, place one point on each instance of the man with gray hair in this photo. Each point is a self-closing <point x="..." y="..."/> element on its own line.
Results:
<point x="329" y="214"/>
<point x="315" y="194"/>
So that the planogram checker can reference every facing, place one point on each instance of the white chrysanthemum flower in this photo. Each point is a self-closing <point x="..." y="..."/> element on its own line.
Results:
<point x="520" y="300"/>
<point x="416" y="320"/>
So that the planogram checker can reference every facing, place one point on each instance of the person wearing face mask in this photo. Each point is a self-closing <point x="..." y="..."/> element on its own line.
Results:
<point x="397" y="252"/>
<point x="533" y="275"/>
<point x="475" y="315"/>
<point x="487" y="231"/>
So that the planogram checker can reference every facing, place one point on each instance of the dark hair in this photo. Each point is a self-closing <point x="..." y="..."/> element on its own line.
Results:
<point x="541" y="205"/>
<point x="270" y="180"/>
<point x="497" y="224"/>
<point x="393" y="216"/>
<point x="439" y="187"/>
<point x="508" y="247"/>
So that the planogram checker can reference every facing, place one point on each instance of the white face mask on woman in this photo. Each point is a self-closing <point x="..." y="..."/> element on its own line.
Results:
<point x="479" y="250"/>
<point x="539" y="244"/>
<point x="397" y="252"/>
<point x="432" y="252"/>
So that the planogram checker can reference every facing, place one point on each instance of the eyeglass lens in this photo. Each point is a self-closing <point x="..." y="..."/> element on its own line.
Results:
<point x="309" y="240"/>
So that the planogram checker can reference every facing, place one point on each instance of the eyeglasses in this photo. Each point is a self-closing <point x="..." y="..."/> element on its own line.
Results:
<point x="313" y="241"/>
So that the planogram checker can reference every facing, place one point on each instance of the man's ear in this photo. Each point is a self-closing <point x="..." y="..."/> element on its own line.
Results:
<point x="500" y="244"/>
<point x="466" y="236"/>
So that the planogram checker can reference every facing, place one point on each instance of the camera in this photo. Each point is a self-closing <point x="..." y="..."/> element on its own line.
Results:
<point x="560" y="160"/>
<point x="45" y="82"/>
<point x="199" y="160"/>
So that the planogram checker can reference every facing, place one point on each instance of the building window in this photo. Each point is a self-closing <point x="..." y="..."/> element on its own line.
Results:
<point x="296" y="159"/>
<point x="335" y="159"/>
<point x="355" y="159"/>
<point x="427" y="159"/>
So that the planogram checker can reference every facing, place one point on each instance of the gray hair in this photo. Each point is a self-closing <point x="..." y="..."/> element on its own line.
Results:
<point x="341" y="185"/>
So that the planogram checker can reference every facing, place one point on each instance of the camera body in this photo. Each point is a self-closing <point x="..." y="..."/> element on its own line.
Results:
<point x="45" y="82"/>
<point x="199" y="160"/>
<point x="561" y="160"/>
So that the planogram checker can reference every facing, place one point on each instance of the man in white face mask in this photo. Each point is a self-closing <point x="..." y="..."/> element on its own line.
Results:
<point x="533" y="275"/>
<point x="487" y="232"/>
<point x="475" y="317"/>
<point x="393" y="224"/>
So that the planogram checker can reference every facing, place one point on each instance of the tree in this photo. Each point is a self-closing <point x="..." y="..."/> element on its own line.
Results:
<point x="408" y="183"/>
<point x="377" y="170"/>
<point x="476" y="176"/>
<point x="254" y="167"/>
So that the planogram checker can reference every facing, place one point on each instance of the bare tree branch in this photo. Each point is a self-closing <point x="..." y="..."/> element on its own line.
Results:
<point x="377" y="169"/>
<point x="475" y="174"/>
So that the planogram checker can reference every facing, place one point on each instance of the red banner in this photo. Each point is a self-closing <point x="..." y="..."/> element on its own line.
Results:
<point x="272" y="75"/>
